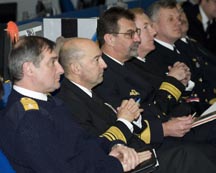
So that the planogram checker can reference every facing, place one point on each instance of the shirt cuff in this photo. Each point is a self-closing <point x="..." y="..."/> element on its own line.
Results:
<point x="138" y="122"/>
<point x="127" y="123"/>
<point x="190" y="86"/>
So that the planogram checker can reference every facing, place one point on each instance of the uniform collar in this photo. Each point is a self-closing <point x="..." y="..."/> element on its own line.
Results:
<point x="141" y="59"/>
<point x="114" y="59"/>
<point x="184" y="39"/>
<point x="167" y="45"/>
<point x="87" y="91"/>
<point x="30" y="93"/>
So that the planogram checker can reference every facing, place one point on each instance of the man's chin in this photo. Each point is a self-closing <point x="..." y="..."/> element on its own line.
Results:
<point x="133" y="54"/>
<point x="56" y="86"/>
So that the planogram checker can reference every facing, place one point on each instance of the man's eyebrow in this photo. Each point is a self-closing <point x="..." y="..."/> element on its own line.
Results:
<point x="54" y="57"/>
<point x="97" y="56"/>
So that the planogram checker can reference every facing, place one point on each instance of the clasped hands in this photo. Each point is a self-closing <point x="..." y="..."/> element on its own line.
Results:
<point x="181" y="72"/>
<point x="129" y="110"/>
<point x="128" y="157"/>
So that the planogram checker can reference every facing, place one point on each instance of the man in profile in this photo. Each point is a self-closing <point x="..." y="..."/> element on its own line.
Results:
<point x="37" y="132"/>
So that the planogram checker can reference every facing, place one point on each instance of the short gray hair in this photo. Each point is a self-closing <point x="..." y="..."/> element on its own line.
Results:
<point x="27" y="49"/>
<point x="153" y="10"/>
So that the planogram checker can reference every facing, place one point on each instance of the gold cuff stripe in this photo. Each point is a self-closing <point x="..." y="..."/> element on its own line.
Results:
<point x="212" y="101"/>
<point x="108" y="136"/>
<point x="171" y="89"/>
<point x="146" y="134"/>
<point x="114" y="133"/>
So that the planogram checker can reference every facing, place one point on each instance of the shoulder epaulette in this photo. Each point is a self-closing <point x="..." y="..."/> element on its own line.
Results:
<point x="29" y="104"/>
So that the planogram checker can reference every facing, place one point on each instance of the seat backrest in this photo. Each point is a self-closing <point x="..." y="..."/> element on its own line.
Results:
<point x="7" y="86"/>
<point x="5" y="166"/>
<point x="66" y="5"/>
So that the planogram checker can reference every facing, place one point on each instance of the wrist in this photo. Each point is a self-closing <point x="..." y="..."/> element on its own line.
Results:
<point x="117" y="145"/>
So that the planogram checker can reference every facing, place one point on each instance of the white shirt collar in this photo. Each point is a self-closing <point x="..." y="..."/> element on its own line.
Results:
<point x="114" y="59"/>
<point x="167" y="45"/>
<point x="87" y="91"/>
<point x="30" y="93"/>
<point x="184" y="40"/>
<point x="205" y="18"/>
<point x="141" y="59"/>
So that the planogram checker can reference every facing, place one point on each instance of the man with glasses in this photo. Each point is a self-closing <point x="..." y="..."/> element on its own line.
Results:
<point x="202" y="23"/>
<point x="119" y="39"/>
<point x="83" y="66"/>
<point x="119" y="83"/>
<point x="38" y="133"/>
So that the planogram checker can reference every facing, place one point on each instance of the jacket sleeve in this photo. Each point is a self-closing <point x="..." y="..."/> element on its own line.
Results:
<point x="39" y="145"/>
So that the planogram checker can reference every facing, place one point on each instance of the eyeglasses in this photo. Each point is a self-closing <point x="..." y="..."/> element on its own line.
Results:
<point x="129" y="34"/>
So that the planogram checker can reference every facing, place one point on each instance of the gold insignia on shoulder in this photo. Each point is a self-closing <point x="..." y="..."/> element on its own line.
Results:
<point x="194" y="59"/>
<point x="29" y="104"/>
<point x="199" y="17"/>
<point x="7" y="81"/>
<point x="133" y="92"/>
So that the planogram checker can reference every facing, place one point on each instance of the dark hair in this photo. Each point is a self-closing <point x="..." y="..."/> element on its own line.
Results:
<point x="154" y="8"/>
<point x="27" y="49"/>
<point x="108" y="22"/>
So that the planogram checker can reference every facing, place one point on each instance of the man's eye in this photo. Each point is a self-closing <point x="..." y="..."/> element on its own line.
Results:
<point x="145" y="27"/>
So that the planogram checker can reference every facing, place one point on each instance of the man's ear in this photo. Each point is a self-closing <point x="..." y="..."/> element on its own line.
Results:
<point x="28" y="68"/>
<point x="109" y="39"/>
<point x="75" y="68"/>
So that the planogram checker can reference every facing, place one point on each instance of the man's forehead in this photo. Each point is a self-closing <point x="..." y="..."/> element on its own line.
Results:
<point x="169" y="11"/>
<point x="127" y="24"/>
<point x="146" y="19"/>
<point x="48" y="54"/>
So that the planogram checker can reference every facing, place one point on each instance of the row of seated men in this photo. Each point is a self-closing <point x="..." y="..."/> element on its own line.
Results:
<point x="163" y="119"/>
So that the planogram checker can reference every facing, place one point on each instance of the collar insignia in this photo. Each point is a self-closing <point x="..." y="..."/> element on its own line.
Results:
<point x="133" y="92"/>
<point x="199" y="17"/>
